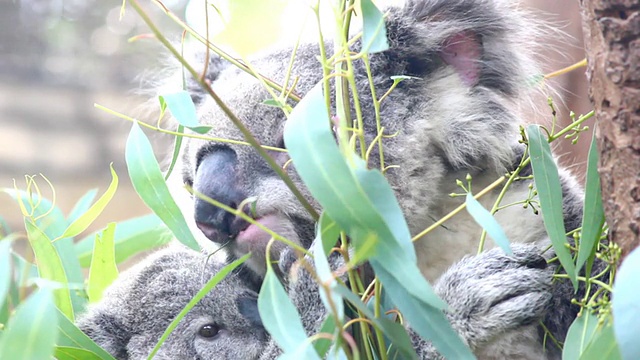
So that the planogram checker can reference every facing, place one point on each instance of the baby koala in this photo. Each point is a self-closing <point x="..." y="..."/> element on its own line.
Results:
<point x="138" y="307"/>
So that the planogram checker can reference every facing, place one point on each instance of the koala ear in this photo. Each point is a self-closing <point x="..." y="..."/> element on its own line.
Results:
<point x="248" y="307"/>
<point x="463" y="52"/>
<point x="107" y="331"/>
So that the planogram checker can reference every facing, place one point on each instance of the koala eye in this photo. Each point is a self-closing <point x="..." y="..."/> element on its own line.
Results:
<point x="209" y="331"/>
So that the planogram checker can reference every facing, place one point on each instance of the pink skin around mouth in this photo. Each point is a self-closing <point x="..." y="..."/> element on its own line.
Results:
<point x="254" y="235"/>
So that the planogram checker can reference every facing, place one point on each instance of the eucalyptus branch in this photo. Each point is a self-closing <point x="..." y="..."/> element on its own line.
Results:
<point x="176" y="133"/>
<point x="462" y="206"/>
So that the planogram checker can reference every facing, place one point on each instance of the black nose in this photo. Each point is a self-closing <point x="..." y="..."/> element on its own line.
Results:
<point x="216" y="179"/>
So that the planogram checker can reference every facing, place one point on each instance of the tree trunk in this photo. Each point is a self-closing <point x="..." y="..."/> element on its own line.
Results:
<point x="612" y="41"/>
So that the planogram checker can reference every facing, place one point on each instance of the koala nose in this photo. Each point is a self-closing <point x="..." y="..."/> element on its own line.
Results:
<point x="216" y="179"/>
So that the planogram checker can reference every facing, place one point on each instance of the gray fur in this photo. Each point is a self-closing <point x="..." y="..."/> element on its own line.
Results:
<point x="140" y="305"/>
<point x="445" y="127"/>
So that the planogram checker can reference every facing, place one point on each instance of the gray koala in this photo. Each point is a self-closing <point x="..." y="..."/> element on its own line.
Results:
<point x="486" y="306"/>
<point x="140" y="305"/>
<point x="472" y="63"/>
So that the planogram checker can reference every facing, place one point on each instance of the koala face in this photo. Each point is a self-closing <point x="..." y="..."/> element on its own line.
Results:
<point x="136" y="310"/>
<point x="455" y="115"/>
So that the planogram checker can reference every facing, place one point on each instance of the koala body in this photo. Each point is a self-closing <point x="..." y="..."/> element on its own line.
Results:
<point x="494" y="301"/>
<point x="138" y="307"/>
<point x="471" y="63"/>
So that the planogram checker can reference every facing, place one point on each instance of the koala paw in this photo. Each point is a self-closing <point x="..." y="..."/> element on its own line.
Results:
<point x="495" y="293"/>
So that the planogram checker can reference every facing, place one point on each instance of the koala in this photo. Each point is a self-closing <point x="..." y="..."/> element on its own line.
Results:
<point x="138" y="307"/>
<point x="471" y="64"/>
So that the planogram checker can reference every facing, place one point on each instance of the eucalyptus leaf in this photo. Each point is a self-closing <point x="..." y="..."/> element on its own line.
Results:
<point x="579" y="336"/>
<point x="547" y="180"/>
<point x="86" y="219"/>
<point x="71" y="353"/>
<point x="131" y="237"/>
<point x="593" y="212"/>
<point x="71" y="336"/>
<point x="103" y="269"/>
<point x="5" y="269"/>
<point x="323" y="345"/>
<point x="484" y="218"/>
<point x="50" y="220"/>
<point x="177" y="143"/>
<point x="281" y="319"/>
<point x="82" y="205"/>
<point x="374" y="30"/>
<point x="184" y="111"/>
<point x="150" y="185"/>
<point x="50" y="267"/>
<point x="33" y="329"/>
<point x="626" y="306"/>
<point x="327" y="228"/>
<point x="604" y="345"/>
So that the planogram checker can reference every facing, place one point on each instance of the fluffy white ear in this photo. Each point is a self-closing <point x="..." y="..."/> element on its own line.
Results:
<point x="463" y="52"/>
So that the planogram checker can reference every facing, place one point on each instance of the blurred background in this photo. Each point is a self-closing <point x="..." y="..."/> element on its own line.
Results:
<point x="59" y="57"/>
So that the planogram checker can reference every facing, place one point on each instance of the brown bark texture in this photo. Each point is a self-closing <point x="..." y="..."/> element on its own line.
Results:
<point x="612" y="42"/>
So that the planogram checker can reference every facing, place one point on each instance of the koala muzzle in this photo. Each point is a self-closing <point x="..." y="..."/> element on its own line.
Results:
<point x="216" y="179"/>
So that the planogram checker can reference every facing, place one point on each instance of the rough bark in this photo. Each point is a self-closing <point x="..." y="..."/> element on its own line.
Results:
<point x="612" y="41"/>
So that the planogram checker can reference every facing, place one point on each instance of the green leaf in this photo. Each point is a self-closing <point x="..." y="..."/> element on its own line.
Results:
<point x="23" y="271"/>
<point x="50" y="266"/>
<point x="132" y="237"/>
<point x="82" y="205"/>
<point x="176" y="151"/>
<point x="626" y="305"/>
<point x="5" y="269"/>
<point x="184" y="111"/>
<point x="604" y="345"/>
<point x="374" y="31"/>
<point x="103" y="269"/>
<point x="593" y="213"/>
<point x="363" y="204"/>
<point x="32" y="331"/>
<point x="329" y="233"/>
<point x="50" y="220"/>
<point x="71" y="353"/>
<point x="4" y="228"/>
<point x="272" y="102"/>
<point x="484" y="218"/>
<point x="71" y="336"/>
<point x="149" y="183"/>
<point x="202" y="293"/>
<point x="323" y="345"/>
<point x="281" y="319"/>
<point x="327" y="228"/>
<point x="545" y="175"/>
<point x="86" y="219"/>
<point x="579" y="336"/>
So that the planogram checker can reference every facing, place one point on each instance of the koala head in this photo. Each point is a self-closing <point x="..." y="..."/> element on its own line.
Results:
<point x="455" y="115"/>
<point x="137" y="309"/>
